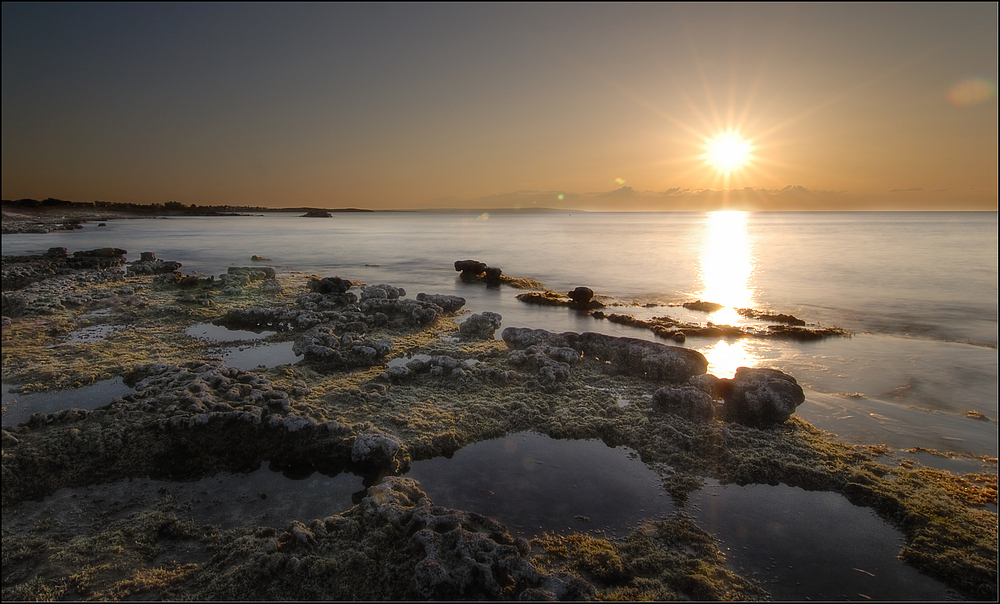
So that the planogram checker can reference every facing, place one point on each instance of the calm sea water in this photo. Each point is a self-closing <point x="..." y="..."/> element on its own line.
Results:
<point x="918" y="290"/>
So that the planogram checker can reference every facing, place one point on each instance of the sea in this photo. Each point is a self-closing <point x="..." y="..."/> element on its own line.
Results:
<point x="917" y="292"/>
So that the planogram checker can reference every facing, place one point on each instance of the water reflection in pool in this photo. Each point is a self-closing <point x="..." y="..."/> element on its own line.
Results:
<point x="800" y="544"/>
<point x="19" y="407"/>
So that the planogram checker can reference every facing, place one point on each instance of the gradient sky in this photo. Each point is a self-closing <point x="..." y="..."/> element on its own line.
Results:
<point x="847" y="106"/>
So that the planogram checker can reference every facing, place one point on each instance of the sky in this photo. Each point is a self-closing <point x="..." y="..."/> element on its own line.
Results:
<point x="614" y="107"/>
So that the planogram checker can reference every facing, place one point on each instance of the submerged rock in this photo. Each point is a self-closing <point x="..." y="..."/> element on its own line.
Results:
<point x="493" y="277"/>
<point x="703" y="306"/>
<point x="760" y="397"/>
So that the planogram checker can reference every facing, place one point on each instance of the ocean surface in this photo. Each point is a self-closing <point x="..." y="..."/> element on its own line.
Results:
<point x="917" y="290"/>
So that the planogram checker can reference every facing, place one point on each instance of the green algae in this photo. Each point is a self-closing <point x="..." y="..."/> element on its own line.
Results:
<point x="670" y="559"/>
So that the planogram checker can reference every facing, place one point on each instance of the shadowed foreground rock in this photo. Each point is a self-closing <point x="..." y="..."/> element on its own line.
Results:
<point x="424" y="551"/>
<point x="760" y="397"/>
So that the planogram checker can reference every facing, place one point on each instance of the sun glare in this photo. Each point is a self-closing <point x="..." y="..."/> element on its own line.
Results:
<point x="728" y="152"/>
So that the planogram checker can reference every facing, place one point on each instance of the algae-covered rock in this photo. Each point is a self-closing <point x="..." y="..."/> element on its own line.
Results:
<point x="760" y="397"/>
<point x="375" y="449"/>
<point x="627" y="355"/>
<point x="323" y="345"/>
<point x="382" y="291"/>
<point x="480" y="326"/>
<point x="447" y="302"/>
<point x="689" y="402"/>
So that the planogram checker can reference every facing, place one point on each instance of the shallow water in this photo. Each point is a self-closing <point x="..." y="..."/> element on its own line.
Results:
<point x="809" y="545"/>
<point x="534" y="484"/>
<point x="226" y="500"/>
<point x="799" y="544"/>
<point x="914" y="287"/>
<point x="19" y="407"/>
<point x="260" y="355"/>
<point x="208" y="331"/>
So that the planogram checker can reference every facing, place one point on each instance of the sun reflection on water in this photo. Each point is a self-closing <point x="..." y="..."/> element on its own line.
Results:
<point x="727" y="266"/>
<point x="725" y="357"/>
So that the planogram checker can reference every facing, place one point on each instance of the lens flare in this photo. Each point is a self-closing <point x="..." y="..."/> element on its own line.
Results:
<point x="971" y="92"/>
<point x="620" y="180"/>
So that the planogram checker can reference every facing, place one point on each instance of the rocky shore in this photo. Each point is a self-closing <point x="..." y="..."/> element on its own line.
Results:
<point x="385" y="380"/>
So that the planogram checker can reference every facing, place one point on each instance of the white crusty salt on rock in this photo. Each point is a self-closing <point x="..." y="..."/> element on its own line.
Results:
<point x="375" y="448"/>
<point x="480" y="326"/>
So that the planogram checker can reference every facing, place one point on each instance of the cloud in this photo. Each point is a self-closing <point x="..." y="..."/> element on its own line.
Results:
<point x="678" y="199"/>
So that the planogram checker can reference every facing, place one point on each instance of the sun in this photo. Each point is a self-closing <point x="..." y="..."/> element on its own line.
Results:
<point x="728" y="152"/>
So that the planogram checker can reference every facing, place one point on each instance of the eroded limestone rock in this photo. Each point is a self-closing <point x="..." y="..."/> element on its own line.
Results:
<point x="480" y="326"/>
<point x="760" y="397"/>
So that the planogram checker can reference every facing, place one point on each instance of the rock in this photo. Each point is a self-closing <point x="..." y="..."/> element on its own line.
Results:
<point x="549" y="298"/>
<point x="147" y="264"/>
<point x="760" y="397"/>
<point x="104" y="252"/>
<point x="329" y="285"/>
<point x="466" y="556"/>
<point x="766" y="316"/>
<point x="448" y="303"/>
<point x="493" y="277"/>
<point x="271" y="286"/>
<point x="544" y="299"/>
<point x="471" y="269"/>
<point x="251" y="273"/>
<point x="703" y="306"/>
<point x="805" y="334"/>
<point x="376" y="449"/>
<point x="382" y="291"/>
<point x="316" y="214"/>
<point x="581" y="295"/>
<point x="257" y="258"/>
<point x="627" y="355"/>
<point x="688" y="402"/>
<point x="321" y="344"/>
<point x="480" y="326"/>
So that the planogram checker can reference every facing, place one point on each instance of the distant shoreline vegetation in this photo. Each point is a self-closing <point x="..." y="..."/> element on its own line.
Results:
<point x="175" y="208"/>
<point x="170" y="207"/>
